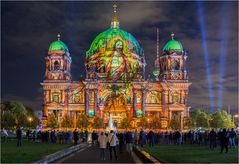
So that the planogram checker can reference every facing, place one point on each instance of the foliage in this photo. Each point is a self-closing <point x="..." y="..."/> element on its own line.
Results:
<point x="220" y="119"/>
<point x="15" y="114"/>
<point x="52" y="121"/>
<point x="202" y="120"/>
<point x="155" y="123"/>
<point x="97" y="122"/>
<point x="67" y="121"/>
<point x="125" y="123"/>
<point x="199" y="118"/>
<point x="187" y="122"/>
<point x="143" y="123"/>
<point x="82" y="121"/>
<point x="175" y="122"/>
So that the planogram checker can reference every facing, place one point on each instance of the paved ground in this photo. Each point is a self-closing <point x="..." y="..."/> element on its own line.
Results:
<point x="91" y="154"/>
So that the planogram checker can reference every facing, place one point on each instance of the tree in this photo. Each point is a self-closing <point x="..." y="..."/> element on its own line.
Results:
<point x="220" y="119"/>
<point x="187" y="122"/>
<point x="143" y="123"/>
<point x="199" y="118"/>
<point x="155" y="123"/>
<point x="67" y="121"/>
<point x="52" y="121"/>
<point x="82" y="121"/>
<point x="202" y="120"/>
<point x="125" y="123"/>
<point x="13" y="114"/>
<point x="175" y="122"/>
<point x="31" y="114"/>
<point x="97" y="123"/>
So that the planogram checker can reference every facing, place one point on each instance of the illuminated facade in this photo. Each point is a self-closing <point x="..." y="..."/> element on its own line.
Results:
<point x="115" y="82"/>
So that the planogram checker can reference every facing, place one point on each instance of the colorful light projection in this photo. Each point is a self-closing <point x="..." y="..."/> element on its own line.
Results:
<point x="116" y="53"/>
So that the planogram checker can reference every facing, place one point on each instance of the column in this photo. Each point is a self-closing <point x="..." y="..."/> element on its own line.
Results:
<point x="180" y="97"/>
<point x="143" y="101"/>
<point x="95" y="101"/>
<point x="67" y="100"/>
<point x="135" y="101"/>
<point x="87" y="105"/>
<point x="182" y="116"/>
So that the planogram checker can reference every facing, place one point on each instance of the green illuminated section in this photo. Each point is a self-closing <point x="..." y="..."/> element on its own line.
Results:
<point x="156" y="73"/>
<point x="58" y="45"/>
<point x="139" y="113"/>
<point x="103" y="42"/>
<point x="173" y="45"/>
<point x="91" y="113"/>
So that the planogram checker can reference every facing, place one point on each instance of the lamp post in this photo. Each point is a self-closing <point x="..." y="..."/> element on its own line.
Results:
<point x="30" y="120"/>
<point x="234" y="116"/>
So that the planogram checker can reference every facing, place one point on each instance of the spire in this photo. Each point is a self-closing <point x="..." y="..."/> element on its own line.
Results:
<point x="58" y="36"/>
<point x="156" y="63"/>
<point x="172" y="35"/>
<point x="114" y="22"/>
<point x="157" y="43"/>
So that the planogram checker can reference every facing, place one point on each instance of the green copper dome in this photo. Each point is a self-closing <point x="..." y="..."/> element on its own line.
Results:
<point x="173" y="45"/>
<point x="58" y="46"/>
<point x="104" y="41"/>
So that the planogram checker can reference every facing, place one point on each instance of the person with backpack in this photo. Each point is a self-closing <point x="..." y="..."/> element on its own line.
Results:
<point x="113" y="143"/>
<point x="102" y="139"/>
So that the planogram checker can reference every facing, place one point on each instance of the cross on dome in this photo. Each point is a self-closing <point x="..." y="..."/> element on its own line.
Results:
<point x="172" y="35"/>
<point x="115" y="22"/>
<point x="59" y="36"/>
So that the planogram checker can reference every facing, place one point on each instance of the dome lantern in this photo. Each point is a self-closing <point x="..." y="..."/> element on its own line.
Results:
<point x="58" y="45"/>
<point x="115" y="22"/>
<point x="173" y="45"/>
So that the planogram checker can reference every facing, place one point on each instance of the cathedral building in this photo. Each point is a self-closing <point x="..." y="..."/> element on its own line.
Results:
<point x="115" y="85"/>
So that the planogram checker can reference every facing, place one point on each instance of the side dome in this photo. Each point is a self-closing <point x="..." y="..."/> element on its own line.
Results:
<point x="105" y="41"/>
<point x="58" y="45"/>
<point x="173" y="45"/>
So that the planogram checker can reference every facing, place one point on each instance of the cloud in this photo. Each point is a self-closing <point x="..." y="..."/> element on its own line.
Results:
<point x="29" y="27"/>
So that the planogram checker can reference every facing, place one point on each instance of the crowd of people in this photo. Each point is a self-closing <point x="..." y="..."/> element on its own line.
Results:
<point x="113" y="140"/>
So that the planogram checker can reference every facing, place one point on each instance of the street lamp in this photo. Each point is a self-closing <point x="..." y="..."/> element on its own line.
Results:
<point x="30" y="120"/>
<point x="234" y="116"/>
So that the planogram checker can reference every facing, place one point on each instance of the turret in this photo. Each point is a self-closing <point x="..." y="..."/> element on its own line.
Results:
<point x="58" y="62"/>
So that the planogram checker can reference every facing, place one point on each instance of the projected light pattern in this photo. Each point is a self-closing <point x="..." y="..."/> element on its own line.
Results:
<point x="206" y="54"/>
<point x="117" y="54"/>
<point x="223" y="52"/>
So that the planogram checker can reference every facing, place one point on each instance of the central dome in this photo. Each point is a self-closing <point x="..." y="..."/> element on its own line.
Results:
<point x="115" y="54"/>
<point x="103" y="41"/>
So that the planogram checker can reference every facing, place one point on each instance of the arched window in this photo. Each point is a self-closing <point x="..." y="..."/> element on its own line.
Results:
<point x="55" y="97"/>
<point x="56" y="65"/>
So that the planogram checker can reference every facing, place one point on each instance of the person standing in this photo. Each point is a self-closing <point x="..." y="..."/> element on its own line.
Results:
<point x="224" y="140"/>
<point x="151" y="138"/>
<point x="232" y="136"/>
<point x="75" y="136"/>
<point x="102" y="139"/>
<point x="19" y="136"/>
<point x="113" y="142"/>
<point x="5" y="135"/>
<point x="121" y="142"/>
<point x="129" y="142"/>
<point x="86" y="136"/>
<point x="212" y="139"/>
<point x="142" y="138"/>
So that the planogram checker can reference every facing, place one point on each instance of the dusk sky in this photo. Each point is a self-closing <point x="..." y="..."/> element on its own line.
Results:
<point x="28" y="28"/>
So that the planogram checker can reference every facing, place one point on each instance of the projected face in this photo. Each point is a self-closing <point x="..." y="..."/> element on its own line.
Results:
<point x="119" y="45"/>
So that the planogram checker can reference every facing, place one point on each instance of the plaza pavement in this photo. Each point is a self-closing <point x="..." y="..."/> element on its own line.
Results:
<point x="91" y="154"/>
